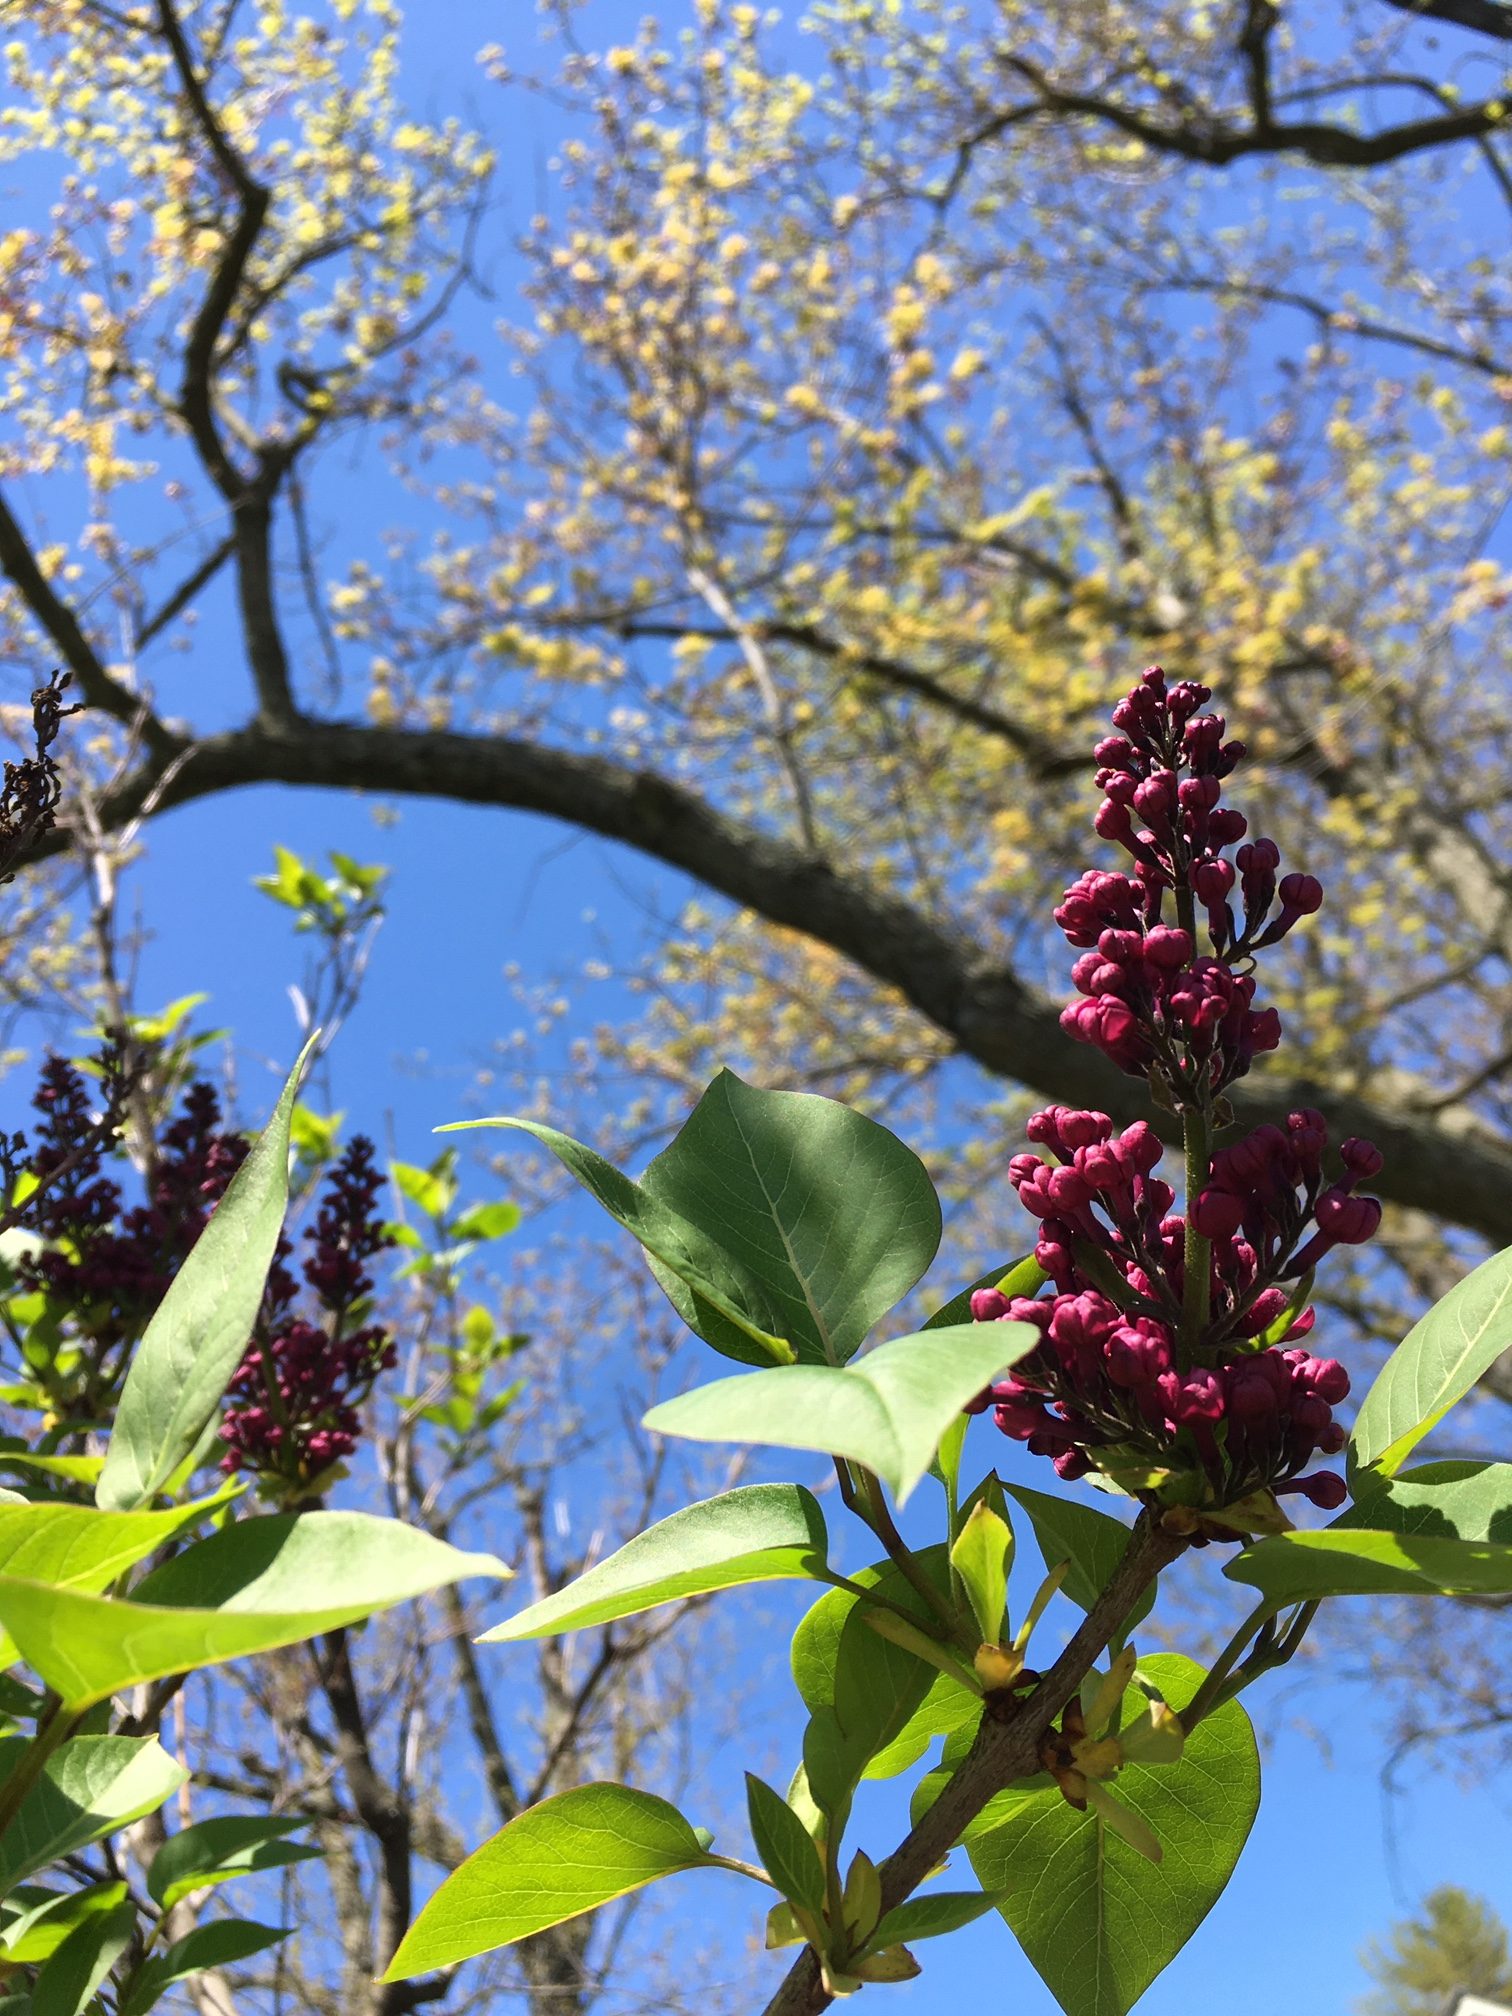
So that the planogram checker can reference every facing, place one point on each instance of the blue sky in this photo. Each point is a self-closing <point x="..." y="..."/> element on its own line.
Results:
<point x="474" y="892"/>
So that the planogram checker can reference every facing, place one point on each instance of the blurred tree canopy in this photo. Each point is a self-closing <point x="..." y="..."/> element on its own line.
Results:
<point x="1457" y="1944"/>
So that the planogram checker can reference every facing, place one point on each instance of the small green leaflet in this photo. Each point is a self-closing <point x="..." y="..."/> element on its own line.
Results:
<point x="787" y="1849"/>
<point x="1096" y="1919"/>
<point x="197" y="1335"/>
<point x="566" y="1856"/>
<point x="759" y="1533"/>
<point x="1442" y="1356"/>
<point x="887" y="1412"/>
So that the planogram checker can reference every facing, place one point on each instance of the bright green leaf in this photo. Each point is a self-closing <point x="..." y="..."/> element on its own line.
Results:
<point x="80" y="1547"/>
<point x="1465" y="1501"/>
<point x="257" y="1584"/>
<point x="774" y="1215"/>
<point x="1015" y="1277"/>
<point x="1442" y="1356"/>
<point x="929" y="1916"/>
<point x="981" y="1557"/>
<point x="786" y="1848"/>
<point x="1341" y="1561"/>
<point x="760" y="1533"/>
<point x="71" y="1975"/>
<point x="220" y="1943"/>
<point x="887" y="1412"/>
<point x="566" y="1856"/>
<point x="45" y="1918"/>
<point x="1097" y="1920"/>
<point x="214" y="1851"/>
<point x="89" y="1787"/>
<point x="199" y="1332"/>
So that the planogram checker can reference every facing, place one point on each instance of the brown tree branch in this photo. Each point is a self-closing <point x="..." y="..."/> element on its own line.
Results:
<point x="1450" y="1164"/>
<point x="1481" y="17"/>
<point x="1216" y="143"/>
<point x="58" y="620"/>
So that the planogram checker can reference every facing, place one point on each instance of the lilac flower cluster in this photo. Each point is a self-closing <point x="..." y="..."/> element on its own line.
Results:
<point x="1197" y="1390"/>
<point x="294" y="1404"/>
<point x="106" y="1266"/>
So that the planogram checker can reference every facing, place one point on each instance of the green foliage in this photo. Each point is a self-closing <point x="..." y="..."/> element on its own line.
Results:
<point x="214" y="1851"/>
<point x="1437" y="1363"/>
<point x="888" y="1412"/>
<point x="196" y="1339"/>
<point x="782" y="1225"/>
<point x="1098" y="1919"/>
<point x="1090" y="1544"/>
<point x="566" y="1856"/>
<point x="760" y="1533"/>
<point x="1300" y="1567"/>
<point x="1456" y="1944"/>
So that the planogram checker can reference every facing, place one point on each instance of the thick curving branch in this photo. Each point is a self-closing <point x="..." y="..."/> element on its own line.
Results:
<point x="1448" y="1163"/>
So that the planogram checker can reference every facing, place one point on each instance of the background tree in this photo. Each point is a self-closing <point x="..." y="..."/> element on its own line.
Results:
<point x="884" y="395"/>
<point x="1457" y="1942"/>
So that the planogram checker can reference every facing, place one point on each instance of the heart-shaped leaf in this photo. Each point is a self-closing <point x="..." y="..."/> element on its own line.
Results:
<point x="1097" y="1920"/>
<point x="773" y="1216"/>
<point x="888" y="1412"/>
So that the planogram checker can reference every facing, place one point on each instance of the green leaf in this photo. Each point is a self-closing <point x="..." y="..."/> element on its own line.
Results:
<point x="75" y="1469"/>
<point x="862" y="1692"/>
<point x="79" y="1547"/>
<point x="760" y="1533"/>
<point x="1442" y="1356"/>
<point x="981" y="1557"/>
<point x="786" y="1847"/>
<point x="44" y="1918"/>
<point x="1097" y="1920"/>
<point x="487" y="1221"/>
<point x="1459" y="1500"/>
<point x="220" y="1943"/>
<point x="1298" y="1567"/>
<point x="89" y="1787"/>
<point x="787" y="1216"/>
<point x="678" y="1251"/>
<point x="199" y="1331"/>
<point x="1090" y="1540"/>
<point x="255" y="1585"/>
<point x="887" y="1412"/>
<point x="566" y="1856"/>
<point x="215" y="1851"/>
<point x="929" y="1916"/>
<point x="70" y="1977"/>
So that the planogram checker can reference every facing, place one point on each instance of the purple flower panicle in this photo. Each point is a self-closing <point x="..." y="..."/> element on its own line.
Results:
<point x="294" y="1404"/>
<point x="1191" y="1398"/>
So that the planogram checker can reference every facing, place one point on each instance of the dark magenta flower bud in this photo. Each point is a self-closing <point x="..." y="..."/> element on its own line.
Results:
<point x="1137" y="1353"/>
<point x="1348" y="1221"/>
<point x="1112" y="822"/>
<point x="1361" y="1158"/>
<point x="1140" y="1147"/>
<point x="988" y="1306"/>
<point x="1082" y="1130"/>
<point x="1213" y="882"/>
<point x="1020" y="1419"/>
<point x="1113" y="752"/>
<point x="1217" y="1214"/>
<point x="1251" y="1396"/>
<point x="1263" y="1311"/>
<point x="1167" y="948"/>
<point x="1302" y="894"/>
<point x="1262" y="1031"/>
<point x="1327" y="1378"/>
<point x="1323" y="1489"/>
<point x="1226" y="826"/>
